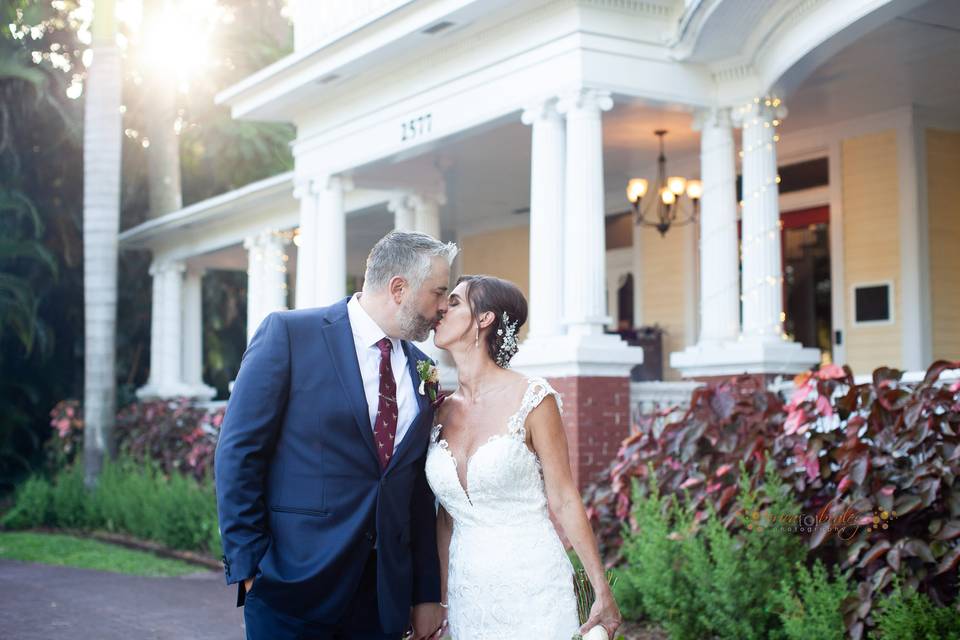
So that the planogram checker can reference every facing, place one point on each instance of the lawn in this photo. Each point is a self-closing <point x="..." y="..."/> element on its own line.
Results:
<point x="57" y="549"/>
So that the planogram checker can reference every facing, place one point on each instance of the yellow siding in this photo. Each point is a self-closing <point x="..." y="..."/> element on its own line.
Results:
<point x="665" y="278"/>
<point x="504" y="253"/>
<point x="871" y="251"/>
<point x="943" y="210"/>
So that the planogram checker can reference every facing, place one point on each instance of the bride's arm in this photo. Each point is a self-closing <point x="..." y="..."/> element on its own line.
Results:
<point x="444" y="531"/>
<point x="550" y="443"/>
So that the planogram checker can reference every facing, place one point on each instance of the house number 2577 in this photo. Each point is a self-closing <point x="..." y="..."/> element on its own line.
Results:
<point x="415" y="127"/>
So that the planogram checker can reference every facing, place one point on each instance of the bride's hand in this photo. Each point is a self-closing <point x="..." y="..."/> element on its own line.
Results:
<point x="604" y="611"/>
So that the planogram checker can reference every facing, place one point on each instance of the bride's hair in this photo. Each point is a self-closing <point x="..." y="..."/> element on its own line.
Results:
<point x="489" y="293"/>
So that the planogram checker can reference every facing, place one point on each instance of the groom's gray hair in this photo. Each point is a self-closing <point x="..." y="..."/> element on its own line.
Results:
<point x="407" y="254"/>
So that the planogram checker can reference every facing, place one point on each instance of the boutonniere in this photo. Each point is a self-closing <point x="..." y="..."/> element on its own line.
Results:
<point x="429" y="381"/>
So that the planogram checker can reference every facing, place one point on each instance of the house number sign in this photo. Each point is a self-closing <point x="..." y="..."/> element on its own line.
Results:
<point x="416" y="127"/>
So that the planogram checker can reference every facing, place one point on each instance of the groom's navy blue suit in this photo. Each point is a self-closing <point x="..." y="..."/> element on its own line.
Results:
<point x="301" y="496"/>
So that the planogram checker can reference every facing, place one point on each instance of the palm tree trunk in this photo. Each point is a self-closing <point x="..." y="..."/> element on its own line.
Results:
<point x="101" y="225"/>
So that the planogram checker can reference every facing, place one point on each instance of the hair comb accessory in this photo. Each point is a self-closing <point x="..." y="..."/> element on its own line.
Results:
<point x="508" y="340"/>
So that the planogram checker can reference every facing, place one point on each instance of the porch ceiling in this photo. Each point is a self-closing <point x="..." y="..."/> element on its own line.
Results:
<point x="912" y="60"/>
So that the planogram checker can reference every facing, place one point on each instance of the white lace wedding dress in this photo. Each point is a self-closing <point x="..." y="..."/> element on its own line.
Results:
<point x="508" y="573"/>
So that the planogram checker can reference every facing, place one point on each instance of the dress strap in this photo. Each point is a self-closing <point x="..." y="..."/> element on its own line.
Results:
<point x="537" y="390"/>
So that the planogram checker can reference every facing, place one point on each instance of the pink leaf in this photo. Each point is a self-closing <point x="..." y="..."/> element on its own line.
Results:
<point x="794" y="420"/>
<point x="824" y="406"/>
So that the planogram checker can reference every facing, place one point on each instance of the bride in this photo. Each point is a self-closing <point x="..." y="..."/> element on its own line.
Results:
<point x="497" y="458"/>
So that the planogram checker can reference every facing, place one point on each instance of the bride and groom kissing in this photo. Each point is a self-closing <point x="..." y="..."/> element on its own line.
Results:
<point x="354" y="506"/>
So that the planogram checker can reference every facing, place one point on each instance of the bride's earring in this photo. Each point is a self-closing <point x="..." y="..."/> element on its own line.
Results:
<point x="477" y="343"/>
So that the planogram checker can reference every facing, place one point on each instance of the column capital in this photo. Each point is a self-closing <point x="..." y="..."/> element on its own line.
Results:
<point x="399" y="202"/>
<point x="584" y="100"/>
<point x="324" y="183"/>
<point x="167" y="266"/>
<point x="421" y="199"/>
<point x="760" y="110"/>
<point x="195" y="271"/>
<point x="301" y="188"/>
<point x="544" y="110"/>
<point x="712" y="117"/>
<point x="265" y="237"/>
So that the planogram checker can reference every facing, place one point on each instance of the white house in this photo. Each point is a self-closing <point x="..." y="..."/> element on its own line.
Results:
<point x="825" y="134"/>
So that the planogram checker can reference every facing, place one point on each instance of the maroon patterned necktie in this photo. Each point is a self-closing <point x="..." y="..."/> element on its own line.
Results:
<point x="385" y="427"/>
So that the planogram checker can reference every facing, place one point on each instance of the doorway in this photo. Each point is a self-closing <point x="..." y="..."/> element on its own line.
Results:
<point x="807" y="301"/>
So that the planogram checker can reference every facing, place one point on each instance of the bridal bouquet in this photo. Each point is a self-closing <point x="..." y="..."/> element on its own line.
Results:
<point x="585" y="596"/>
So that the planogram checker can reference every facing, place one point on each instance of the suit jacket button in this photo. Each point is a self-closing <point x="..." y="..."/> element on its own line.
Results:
<point x="369" y="536"/>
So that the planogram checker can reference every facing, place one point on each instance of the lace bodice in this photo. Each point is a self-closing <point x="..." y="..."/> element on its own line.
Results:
<point x="508" y="572"/>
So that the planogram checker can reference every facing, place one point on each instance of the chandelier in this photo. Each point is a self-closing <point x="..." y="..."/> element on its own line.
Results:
<point x="667" y="208"/>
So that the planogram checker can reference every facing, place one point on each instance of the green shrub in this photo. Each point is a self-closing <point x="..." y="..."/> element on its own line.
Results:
<point x="698" y="578"/>
<point x="811" y="605"/>
<point x="69" y="500"/>
<point x="32" y="506"/>
<point x="913" y="616"/>
<point x="176" y="511"/>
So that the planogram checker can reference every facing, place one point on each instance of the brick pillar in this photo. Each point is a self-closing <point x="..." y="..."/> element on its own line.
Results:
<point x="596" y="415"/>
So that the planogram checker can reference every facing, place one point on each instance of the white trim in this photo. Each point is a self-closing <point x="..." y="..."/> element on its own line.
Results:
<point x="891" y="304"/>
<point x="219" y="206"/>
<point x="923" y="222"/>
<point x="916" y="338"/>
<point x="805" y="199"/>
<point x="691" y="285"/>
<point x="837" y="255"/>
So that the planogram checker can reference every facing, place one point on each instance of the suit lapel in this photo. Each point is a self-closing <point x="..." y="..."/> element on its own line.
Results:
<point x="339" y="338"/>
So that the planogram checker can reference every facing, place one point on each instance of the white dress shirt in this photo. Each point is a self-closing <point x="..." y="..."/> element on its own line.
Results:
<point x="366" y="334"/>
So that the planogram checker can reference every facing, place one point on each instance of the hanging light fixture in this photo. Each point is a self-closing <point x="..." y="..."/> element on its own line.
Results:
<point x="668" y="204"/>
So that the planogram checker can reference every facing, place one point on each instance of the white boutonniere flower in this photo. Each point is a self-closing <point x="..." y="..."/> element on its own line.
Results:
<point x="429" y="380"/>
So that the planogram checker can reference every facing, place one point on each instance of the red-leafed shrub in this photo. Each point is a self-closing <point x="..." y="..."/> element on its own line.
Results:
<point x="175" y="434"/>
<point x="881" y="457"/>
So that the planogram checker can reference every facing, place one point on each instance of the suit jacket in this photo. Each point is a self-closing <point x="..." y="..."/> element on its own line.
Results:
<point x="300" y="494"/>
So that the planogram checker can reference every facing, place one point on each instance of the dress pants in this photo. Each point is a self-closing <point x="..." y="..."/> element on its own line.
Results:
<point x="361" y="620"/>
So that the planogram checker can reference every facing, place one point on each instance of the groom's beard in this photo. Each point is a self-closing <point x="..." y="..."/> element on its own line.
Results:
<point x="414" y="326"/>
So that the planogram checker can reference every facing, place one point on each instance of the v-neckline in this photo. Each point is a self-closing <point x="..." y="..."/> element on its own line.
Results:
<point x="445" y="446"/>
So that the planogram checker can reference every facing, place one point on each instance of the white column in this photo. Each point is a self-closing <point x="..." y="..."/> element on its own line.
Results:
<point x="584" y="230"/>
<point x="255" y="284"/>
<point x="404" y="216"/>
<point x="167" y="336"/>
<point x="171" y="333"/>
<point x="426" y="208"/>
<point x="156" y="331"/>
<point x="762" y="277"/>
<point x="547" y="167"/>
<point x="306" y="245"/>
<point x="330" y="237"/>
<point x="266" y="276"/>
<point x="759" y="347"/>
<point x="719" y="259"/>
<point x="192" y="353"/>
<point x="274" y="271"/>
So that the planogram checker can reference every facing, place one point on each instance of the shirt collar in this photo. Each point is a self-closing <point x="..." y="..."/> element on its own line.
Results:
<point x="365" y="328"/>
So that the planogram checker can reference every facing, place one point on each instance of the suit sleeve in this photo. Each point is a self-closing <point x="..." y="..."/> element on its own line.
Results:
<point x="423" y="523"/>
<point x="248" y="435"/>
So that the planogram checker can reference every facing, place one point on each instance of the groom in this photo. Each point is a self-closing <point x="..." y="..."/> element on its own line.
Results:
<point x="327" y="521"/>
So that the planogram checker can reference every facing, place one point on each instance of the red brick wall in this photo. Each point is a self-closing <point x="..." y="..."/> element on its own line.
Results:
<point x="596" y="415"/>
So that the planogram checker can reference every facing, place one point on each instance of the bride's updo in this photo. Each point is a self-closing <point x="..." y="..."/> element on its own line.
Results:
<point x="489" y="293"/>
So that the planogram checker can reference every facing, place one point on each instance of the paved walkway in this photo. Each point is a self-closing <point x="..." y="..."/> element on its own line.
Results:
<point x="49" y="603"/>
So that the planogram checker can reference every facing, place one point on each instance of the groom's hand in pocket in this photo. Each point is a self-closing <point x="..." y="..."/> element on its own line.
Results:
<point x="247" y="584"/>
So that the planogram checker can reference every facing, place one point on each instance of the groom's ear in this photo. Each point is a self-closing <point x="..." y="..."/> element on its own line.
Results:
<point x="396" y="287"/>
